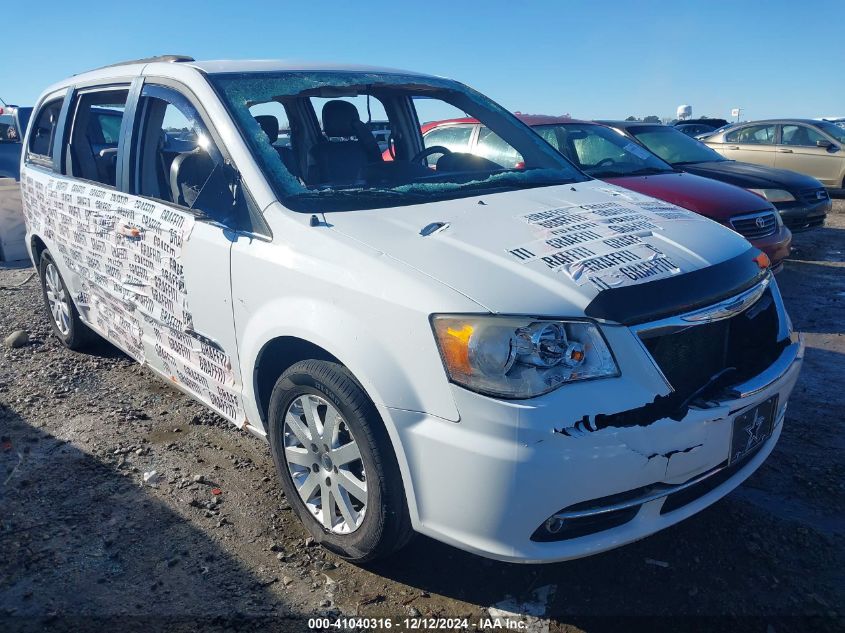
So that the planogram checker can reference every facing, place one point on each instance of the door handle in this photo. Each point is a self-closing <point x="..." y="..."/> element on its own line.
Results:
<point x="785" y="151"/>
<point x="733" y="147"/>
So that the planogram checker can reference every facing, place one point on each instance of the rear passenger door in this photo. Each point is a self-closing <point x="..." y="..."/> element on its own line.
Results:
<point x="752" y="144"/>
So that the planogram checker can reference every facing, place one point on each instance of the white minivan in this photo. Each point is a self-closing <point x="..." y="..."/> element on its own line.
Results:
<point x="523" y="362"/>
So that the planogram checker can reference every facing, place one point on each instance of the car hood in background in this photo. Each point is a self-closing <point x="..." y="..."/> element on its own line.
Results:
<point x="752" y="176"/>
<point x="547" y="251"/>
<point x="717" y="200"/>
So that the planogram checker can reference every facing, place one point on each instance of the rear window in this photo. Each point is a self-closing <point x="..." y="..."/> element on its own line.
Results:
<point x="9" y="132"/>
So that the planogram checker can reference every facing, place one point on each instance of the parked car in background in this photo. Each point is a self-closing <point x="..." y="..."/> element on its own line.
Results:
<point x="803" y="202"/>
<point x="695" y="129"/>
<point x="603" y="153"/>
<point x="807" y="146"/>
<point x="708" y="121"/>
<point x="13" y="122"/>
<point x="381" y="132"/>
<point x="836" y="120"/>
<point x="524" y="362"/>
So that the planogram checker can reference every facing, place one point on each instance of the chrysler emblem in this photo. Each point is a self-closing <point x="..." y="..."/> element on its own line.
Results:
<point x="760" y="222"/>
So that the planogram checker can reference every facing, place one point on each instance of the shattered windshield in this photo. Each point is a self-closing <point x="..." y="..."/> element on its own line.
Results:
<point x="601" y="152"/>
<point x="351" y="140"/>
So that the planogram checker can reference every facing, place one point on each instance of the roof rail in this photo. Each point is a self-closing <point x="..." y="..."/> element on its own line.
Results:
<point x="150" y="60"/>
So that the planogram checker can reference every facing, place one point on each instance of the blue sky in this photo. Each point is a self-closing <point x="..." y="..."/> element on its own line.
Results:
<point x="591" y="59"/>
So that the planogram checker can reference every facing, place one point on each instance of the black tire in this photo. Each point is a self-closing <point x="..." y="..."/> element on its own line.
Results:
<point x="386" y="526"/>
<point x="78" y="335"/>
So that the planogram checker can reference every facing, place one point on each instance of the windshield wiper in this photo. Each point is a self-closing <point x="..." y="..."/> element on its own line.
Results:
<point x="694" y="162"/>
<point x="647" y="171"/>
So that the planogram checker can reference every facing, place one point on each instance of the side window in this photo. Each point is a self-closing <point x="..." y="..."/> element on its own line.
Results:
<point x="44" y="129"/>
<point x="752" y="135"/>
<point x="491" y="146"/>
<point x="453" y="137"/>
<point x="177" y="160"/>
<point x="94" y="137"/>
<point x="799" y="135"/>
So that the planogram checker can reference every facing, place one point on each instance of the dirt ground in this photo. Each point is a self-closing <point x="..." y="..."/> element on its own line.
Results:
<point x="85" y="543"/>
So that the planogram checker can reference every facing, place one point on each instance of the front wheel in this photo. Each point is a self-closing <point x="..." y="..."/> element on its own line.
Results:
<point x="336" y="462"/>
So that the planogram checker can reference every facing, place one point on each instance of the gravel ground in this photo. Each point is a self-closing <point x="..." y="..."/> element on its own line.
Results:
<point x="212" y="541"/>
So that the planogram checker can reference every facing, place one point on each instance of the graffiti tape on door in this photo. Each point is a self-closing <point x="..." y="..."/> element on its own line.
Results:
<point x="126" y="253"/>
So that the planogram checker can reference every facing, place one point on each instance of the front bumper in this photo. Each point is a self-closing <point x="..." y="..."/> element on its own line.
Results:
<point x="800" y="216"/>
<point x="487" y="483"/>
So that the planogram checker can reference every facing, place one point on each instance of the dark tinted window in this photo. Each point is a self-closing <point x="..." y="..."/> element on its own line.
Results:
<point x="8" y="129"/>
<point x="44" y="129"/>
<point x="801" y="135"/>
<point x="93" y="146"/>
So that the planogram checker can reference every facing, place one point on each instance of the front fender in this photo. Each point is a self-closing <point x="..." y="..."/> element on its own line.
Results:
<point x="394" y="359"/>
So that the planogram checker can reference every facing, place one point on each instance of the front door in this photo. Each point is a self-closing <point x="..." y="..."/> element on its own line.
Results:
<point x="178" y="174"/>
<point x="798" y="151"/>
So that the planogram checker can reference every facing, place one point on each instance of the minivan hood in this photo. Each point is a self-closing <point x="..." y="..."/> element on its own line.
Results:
<point x="752" y="176"/>
<point x="547" y="251"/>
<point x="717" y="200"/>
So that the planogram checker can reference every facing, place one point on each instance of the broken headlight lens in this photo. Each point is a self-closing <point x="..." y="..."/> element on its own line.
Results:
<point x="520" y="357"/>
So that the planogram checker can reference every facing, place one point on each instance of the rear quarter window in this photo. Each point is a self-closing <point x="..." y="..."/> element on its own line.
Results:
<point x="42" y="136"/>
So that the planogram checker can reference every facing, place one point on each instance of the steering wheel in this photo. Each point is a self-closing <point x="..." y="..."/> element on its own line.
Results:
<point x="605" y="161"/>
<point x="428" y="151"/>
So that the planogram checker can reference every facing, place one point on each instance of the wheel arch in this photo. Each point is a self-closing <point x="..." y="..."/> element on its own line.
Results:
<point x="274" y="358"/>
<point x="36" y="247"/>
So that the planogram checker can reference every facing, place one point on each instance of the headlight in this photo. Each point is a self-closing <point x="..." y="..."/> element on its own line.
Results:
<point x="774" y="195"/>
<point x="520" y="357"/>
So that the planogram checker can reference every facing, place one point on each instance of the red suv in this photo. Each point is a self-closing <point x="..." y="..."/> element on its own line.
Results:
<point x="603" y="153"/>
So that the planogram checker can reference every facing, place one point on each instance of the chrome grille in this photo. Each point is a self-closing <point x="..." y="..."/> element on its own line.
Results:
<point x="813" y="195"/>
<point x="755" y="225"/>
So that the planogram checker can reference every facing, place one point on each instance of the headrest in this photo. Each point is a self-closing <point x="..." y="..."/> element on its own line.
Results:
<point x="340" y="119"/>
<point x="270" y="125"/>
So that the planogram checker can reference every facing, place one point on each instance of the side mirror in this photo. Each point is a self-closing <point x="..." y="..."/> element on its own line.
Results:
<point x="823" y="142"/>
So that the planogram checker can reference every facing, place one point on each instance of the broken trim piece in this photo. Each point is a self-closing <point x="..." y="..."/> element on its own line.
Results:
<point x="662" y="490"/>
<point x="632" y="305"/>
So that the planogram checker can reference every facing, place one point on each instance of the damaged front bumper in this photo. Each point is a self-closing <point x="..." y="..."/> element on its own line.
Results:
<point x="493" y="482"/>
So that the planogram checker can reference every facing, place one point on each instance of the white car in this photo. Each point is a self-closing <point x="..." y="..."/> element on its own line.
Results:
<point x="523" y="362"/>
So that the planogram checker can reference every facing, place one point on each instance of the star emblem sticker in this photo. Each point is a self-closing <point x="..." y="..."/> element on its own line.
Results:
<point x="753" y="429"/>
